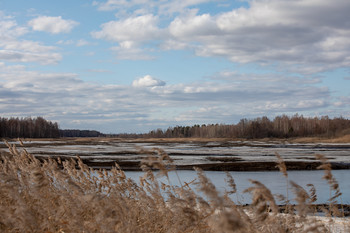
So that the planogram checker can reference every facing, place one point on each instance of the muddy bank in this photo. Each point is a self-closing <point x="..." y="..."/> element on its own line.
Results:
<point x="225" y="166"/>
<point x="262" y="166"/>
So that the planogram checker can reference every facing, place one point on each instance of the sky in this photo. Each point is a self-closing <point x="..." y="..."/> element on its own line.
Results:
<point x="130" y="66"/>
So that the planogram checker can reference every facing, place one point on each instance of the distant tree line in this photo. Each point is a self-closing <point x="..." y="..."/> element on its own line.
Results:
<point x="79" y="133"/>
<point x="39" y="128"/>
<point x="262" y="127"/>
<point x="126" y="135"/>
<point x="28" y="128"/>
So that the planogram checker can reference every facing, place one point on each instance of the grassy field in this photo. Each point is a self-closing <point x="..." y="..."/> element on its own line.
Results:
<point x="68" y="196"/>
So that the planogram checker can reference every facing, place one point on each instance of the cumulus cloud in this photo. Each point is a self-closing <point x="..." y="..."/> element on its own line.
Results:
<point x="277" y="31"/>
<point x="15" y="49"/>
<point x="148" y="103"/>
<point x="294" y="34"/>
<point x="147" y="81"/>
<point x="133" y="29"/>
<point x="23" y="56"/>
<point x="131" y="34"/>
<point x="9" y="29"/>
<point x="301" y="36"/>
<point x="66" y="98"/>
<point x="198" y="25"/>
<point x="54" y="25"/>
<point x="28" y="51"/>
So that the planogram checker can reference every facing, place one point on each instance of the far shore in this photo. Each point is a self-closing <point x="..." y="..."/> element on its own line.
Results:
<point x="340" y="139"/>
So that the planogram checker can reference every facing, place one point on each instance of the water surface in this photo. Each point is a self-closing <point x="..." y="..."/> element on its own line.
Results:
<point x="275" y="181"/>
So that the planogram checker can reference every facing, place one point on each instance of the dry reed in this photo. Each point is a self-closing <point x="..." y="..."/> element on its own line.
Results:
<point x="68" y="196"/>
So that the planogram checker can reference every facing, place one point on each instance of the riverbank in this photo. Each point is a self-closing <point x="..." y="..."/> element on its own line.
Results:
<point x="46" y="197"/>
<point x="207" y="154"/>
<point x="223" y="166"/>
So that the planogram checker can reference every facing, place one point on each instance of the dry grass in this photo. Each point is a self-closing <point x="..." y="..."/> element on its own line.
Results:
<point x="338" y="139"/>
<point x="67" y="196"/>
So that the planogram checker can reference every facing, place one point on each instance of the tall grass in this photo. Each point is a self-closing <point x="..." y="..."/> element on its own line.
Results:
<point x="68" y="196"/>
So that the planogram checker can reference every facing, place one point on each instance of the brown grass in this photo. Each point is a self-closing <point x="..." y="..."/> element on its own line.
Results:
<point x="339" y="139"/>
<point x="55" y="196"/>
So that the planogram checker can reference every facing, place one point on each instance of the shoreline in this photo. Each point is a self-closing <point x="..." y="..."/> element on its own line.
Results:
<point x="340" y="139"/>
<point x="230" y="166"/>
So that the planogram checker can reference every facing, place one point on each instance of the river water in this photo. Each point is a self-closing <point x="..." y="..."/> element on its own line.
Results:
<point x="274" y="181"/>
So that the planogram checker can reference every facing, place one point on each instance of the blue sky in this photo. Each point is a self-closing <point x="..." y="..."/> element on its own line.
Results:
<point x="135" y="65"/>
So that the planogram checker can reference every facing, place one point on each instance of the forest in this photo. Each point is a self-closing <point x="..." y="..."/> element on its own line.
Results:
<point x="262" y="127"/>
<point x="39" y="128"/>
<point x="28" y="128"/>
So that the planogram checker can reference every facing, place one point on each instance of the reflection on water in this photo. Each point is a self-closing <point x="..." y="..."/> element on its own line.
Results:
<point x="275" y="181"/>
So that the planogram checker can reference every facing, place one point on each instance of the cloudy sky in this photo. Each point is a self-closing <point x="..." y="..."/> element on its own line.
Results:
<point x="135" y="65"/>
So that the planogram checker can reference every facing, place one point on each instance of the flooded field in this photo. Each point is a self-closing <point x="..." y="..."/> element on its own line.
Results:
<point x="209" y="155"/>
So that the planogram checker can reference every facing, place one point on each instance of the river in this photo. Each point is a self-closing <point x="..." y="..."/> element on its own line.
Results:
<point x="273" y="180"/>
<point x="232" y="154"/>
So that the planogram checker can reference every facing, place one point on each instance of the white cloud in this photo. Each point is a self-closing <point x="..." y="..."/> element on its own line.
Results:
<point x="54" y="25"/>
<point x="301" y="36"/>
<point x="131" y="34"/>
<point x="307" y="33"/>
<point x="65" y="97"/>
<point x="130" y="30"/>
<point x="171" y="44"/>
<point x="26" y="45"/>
<point x="293" y="34"/>
<point x="190" y="25"/>
<point x="147" y="81"/>
<point x="9" y="29"/>
<point x="342" y="102"/>
<point x="14" y="49"/>
<point x="23" y="56"/>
